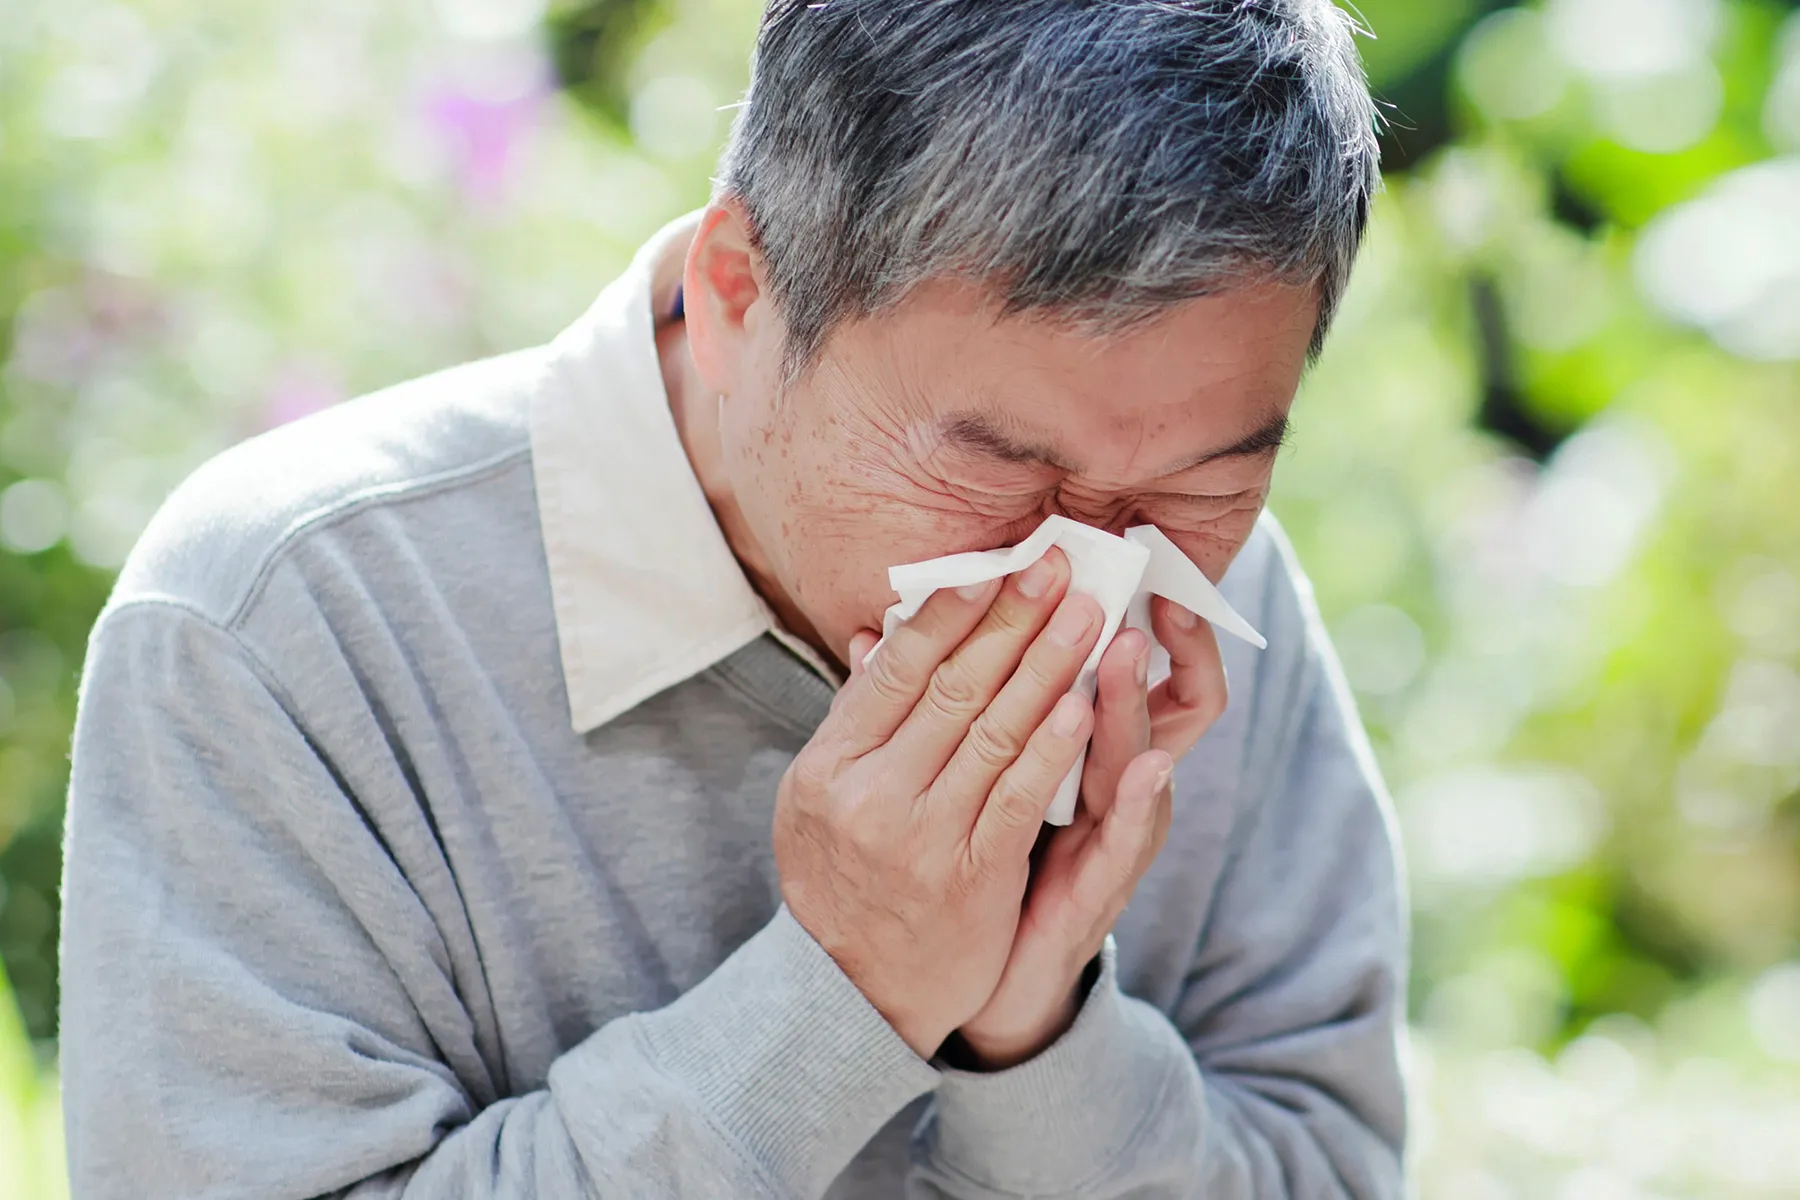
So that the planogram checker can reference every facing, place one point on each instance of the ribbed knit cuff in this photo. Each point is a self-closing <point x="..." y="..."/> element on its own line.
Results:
<point x="787" y="1056"/>
<point x="1058" y="1119"/>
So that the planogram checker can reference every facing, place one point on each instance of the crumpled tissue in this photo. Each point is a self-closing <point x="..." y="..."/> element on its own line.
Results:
<point x="1121" y="573"/>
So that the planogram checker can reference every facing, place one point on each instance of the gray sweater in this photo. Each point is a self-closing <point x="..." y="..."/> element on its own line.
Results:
<point x="352" y="909"/>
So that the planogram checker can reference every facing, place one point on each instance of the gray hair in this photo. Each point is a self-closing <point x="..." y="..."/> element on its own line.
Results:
<point x="1098" y="159"/>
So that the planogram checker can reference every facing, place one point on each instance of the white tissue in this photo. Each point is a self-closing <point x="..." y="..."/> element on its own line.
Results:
<point x="1121" y="573"/>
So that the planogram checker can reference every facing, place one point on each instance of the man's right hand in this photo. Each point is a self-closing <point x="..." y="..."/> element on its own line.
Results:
<point x="904" y="828"/>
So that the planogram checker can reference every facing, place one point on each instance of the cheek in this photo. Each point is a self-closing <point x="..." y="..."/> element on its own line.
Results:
<point x="862" y="520"/>
<point x="831" y="524"/>
<point x="1213" y="542"/>
<point x="866" y="486"/>
<point x="853" y="534"/>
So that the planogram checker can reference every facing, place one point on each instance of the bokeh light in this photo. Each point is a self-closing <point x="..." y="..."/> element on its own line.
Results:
<point x="1544" y="478"/>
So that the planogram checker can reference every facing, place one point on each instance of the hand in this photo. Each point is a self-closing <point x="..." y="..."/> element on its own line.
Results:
<point x="903" y="829"/>
<point x="1088" y="870"/>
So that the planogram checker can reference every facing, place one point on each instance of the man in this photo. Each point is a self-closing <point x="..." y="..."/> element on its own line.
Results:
<point x="469" y="798"/>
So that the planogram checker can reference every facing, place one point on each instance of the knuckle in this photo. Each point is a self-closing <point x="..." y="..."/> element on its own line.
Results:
<point x="953" y="691"/>
<point x="1218" y="699"/>
<point x="971" y="875"/>
<point x="811" y="773"/>
<point x="1017" y="811"/>
<point x="1207" y="703"/>
<point x="1013" y="801"/>
<point x="991" y="745"/>
<point x="855" y="800"/>
<point x="1014" y="617"/>
<point x="1046" y="757"/>
<point x="1046" y="670"/>
<point x="864" y="838"/>
<point x="934" y="882"/>
<point x="887" y="679"/>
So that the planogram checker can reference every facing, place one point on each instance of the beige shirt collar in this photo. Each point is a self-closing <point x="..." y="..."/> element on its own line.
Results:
<point x="646" y="589"/>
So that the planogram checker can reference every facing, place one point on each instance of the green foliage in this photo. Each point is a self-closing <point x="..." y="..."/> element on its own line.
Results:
<point x="1543" y="478"/>
<point x="31" y="1150"/>
<point x="593" y="46"/>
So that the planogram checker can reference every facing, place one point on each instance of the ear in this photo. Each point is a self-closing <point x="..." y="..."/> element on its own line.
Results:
<point x="725" y="298"/>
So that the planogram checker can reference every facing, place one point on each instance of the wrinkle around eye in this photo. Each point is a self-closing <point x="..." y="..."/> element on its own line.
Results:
<point x="1222" y="500"/>
<point x="1206" y="517"/>
<point x="978" y="501"/>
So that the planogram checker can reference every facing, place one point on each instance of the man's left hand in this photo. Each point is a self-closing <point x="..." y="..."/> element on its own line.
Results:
<point x="1089" y="869"/>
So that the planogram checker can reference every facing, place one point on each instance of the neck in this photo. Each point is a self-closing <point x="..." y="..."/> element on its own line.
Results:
<point x="696" y="412"/>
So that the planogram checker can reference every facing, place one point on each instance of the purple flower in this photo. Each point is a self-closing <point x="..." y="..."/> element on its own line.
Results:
<point x="486" y="126"/>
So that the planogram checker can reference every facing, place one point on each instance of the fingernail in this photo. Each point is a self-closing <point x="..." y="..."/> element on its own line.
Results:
<point x="1143" y="666"/>
<point x="1066" y="720"/>
<point x="1037" y="579"/>
<point x="1071" y="623"/>
<point x="1161" y="783"/>
<point x="1182" y="617"/>
<point x="974" y="591"/>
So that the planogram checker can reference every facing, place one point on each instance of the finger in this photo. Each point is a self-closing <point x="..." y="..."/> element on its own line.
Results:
<point x="1121" y="719"/>
<point x="1009" y="821"/>
<point x="966" y="681"/>
<point x="860" y="644"/>
<point x="1000" y="732"/>
<point x="1186" y="704"/>
<point x="1115" y="858"/>
<point x="883" y="693"/>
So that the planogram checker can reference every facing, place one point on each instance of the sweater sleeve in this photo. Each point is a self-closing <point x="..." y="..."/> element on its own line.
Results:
<point x="1276" y="1075"/>
<point x="233" y="1024"/>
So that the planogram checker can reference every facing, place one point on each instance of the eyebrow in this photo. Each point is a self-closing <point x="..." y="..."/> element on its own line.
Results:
<point x="980" y="434"/>
<point x="1272" y="434"/>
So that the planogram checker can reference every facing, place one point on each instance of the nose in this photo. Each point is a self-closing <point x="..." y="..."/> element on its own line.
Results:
<point x="1111" y="513"/>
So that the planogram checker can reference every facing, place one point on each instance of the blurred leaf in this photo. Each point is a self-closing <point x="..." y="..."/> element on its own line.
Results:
<point x="289" y="204"/>
<point x="593" y="45"/>
<point x="31" y="1147"/>
<point x="1631" y="186"/>
<point x="1408" y="33"/>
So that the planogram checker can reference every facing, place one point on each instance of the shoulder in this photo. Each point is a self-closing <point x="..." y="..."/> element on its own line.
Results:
<point x="1267" y="584"/>
<point x="224" y="528"/>
<point x="1273" y="689"/>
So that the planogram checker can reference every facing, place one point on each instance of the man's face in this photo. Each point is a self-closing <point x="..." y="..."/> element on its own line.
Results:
<point x="932" y="427"/>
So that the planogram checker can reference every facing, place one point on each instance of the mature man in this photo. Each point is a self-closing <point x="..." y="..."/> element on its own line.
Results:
<point x="420" y="832"/>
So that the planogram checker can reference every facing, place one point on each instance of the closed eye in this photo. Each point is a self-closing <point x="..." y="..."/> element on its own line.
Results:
<point x="1214" y="499"/>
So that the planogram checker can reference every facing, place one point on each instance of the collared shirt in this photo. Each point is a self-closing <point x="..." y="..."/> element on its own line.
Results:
<point x="647" y="590"/>
<point x="418" y="844"/>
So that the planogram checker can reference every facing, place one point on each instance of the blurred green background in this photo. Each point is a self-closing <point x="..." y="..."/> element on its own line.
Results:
<point x="1547" y="478"/>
